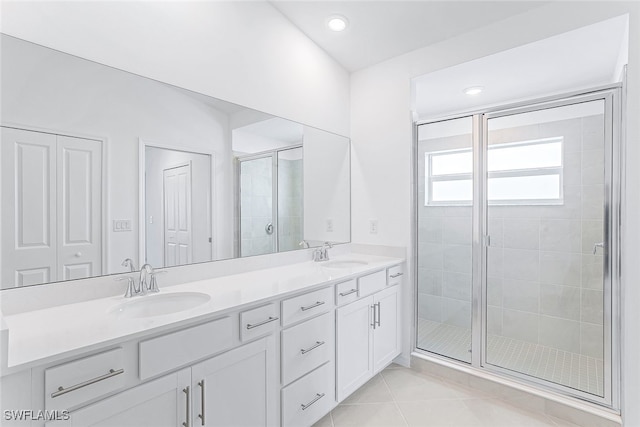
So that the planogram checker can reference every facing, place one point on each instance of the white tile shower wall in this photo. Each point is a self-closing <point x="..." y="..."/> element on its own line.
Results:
<point x="290" y="207"/>
<point x="256" y="206"/>
<point x="544" y="284"/>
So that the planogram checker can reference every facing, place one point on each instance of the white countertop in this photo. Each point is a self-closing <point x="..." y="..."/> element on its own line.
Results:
<point x="41" y="335"/>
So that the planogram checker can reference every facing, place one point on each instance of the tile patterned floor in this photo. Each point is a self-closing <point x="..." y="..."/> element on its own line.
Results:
<point x="551" y="364"/>
<point x="402" y="397"/>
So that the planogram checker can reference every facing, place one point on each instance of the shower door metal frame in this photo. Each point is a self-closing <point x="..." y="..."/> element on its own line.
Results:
<point x="611" y="221"/>
<point x="274" y="193"/>
<point x="614" y="148"/>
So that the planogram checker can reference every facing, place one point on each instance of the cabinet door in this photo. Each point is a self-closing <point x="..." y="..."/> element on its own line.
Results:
<point x="354" y="365"/>
<point x="237" y="388"/>
<point x="159" y="403"/>
<point x="386" y="334"/>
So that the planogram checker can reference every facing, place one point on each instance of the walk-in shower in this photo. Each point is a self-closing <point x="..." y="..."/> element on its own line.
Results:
<point x="270" y="194"/>
<point x="517" y="213"/>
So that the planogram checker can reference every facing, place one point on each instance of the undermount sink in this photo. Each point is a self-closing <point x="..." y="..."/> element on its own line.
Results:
<point x="347" y="263"/>
<point x="160" y="304"/>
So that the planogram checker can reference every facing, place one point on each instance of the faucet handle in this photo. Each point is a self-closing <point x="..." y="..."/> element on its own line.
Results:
<point x="130" y="286"/>
<point x="153" y="283"/>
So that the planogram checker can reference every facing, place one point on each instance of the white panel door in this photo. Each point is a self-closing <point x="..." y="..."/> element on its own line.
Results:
<point x="160" y="403"/>
<point x="353" y="346"/>
<point x="386" y="335"/>
<point x="237" y="388"/>
<point x="28" y="208"/>
<point x="79" y="195"/>
<point x="177" y="215"/>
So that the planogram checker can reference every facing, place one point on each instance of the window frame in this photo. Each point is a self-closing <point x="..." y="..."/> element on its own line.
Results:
<point x="511" y="173"/>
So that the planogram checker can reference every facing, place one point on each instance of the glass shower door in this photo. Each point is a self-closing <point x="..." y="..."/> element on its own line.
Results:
<point x="444" y="250"/>
<point x="257" y="228"/>
<point x="547" y="287"/>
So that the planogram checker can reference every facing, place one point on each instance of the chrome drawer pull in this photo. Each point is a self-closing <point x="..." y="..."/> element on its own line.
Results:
<point x="62" y="390"/>
<point x="187" y="391"/>
<point x="393" y="276"/>
<point x="264" y="322"/>
<point x="202" y="400"/>
<point x="344" y="294"/>
<point x="309" y="307"/>
<point x="318" y="397"/>
<point x="313" y="347"/>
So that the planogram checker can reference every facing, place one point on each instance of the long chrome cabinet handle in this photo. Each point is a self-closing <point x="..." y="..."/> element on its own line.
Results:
<point x="201" y="415"/>
<point x="62" y="390"/>
<point x="187" y="391"/>
<point x="313" y="347"/>
<point x="264" y="322"/>
<point x="393" y="276"/>
<point x="379" y="311"/>
<point x="318" y="397"/>
<point x="373" y="307"/>
<point x="349" y="292"/>
<point x="309" y="307"/>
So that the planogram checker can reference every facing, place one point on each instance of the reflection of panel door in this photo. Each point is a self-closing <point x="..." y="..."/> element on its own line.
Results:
<point x="177" y="216"/>
<point x="79" y="208"/>
<point x="28" y="207"/>
<point x="53" y="230"/>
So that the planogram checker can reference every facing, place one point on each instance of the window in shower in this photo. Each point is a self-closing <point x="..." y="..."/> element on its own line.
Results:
<point x="519" y="172"/>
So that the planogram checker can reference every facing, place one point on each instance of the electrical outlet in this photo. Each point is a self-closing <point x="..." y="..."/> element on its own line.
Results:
<point x="373" y="226"/>
<point x="121" y="225"/>
<point x="329" y="225"/>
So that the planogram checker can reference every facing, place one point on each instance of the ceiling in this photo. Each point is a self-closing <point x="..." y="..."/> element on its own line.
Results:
<point x="380" y="30"/>
<point x="584" y="58"/>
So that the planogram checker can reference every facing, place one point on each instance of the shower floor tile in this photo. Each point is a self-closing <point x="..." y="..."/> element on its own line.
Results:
<point x="551" y="364"/>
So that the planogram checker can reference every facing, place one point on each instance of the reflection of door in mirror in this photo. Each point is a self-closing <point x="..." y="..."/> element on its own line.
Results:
<point x="271" y="202"/>
<point x="256" y="206"/>
<point x="177" y="215"/>
<point x="54" y="230"/>
<point x="177" y="207"/>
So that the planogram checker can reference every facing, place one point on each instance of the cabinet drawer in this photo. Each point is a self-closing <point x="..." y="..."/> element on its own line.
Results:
<point x="346" y="292"/>
<point x="372" y="283"/>
<point x="176" y="349"/>
<point x="310" y="398"/>
<point x="306" y="306"/>
<point x="307" y="346"/>
<point x="79" y="381"/>
<point x="259" y="321"/>
<point x="394" y="275"/>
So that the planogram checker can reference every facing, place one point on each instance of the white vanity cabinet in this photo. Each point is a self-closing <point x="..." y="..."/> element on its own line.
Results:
<point x="367" y="334"/>
<point x="284" y="361"/>
<point x="158" y="403"/>
<point x="237" y="388"/>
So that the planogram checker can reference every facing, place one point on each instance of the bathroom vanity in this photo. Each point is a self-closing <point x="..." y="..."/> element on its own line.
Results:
<point x="278" y="346"/>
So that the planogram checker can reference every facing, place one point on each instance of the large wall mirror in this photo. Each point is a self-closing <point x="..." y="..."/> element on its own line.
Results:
<point x="102" y="171"/>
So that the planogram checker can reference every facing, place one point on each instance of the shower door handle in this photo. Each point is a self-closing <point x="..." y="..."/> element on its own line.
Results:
<point x="596" y="246"/>
<point x="269" y="229"/>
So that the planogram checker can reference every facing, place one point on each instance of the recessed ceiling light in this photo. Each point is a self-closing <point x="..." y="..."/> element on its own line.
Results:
<point x="337" y="23"/>
<point x="473" y="90"/>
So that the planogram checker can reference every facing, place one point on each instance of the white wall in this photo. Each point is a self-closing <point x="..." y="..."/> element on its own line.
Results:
<point x="381" y="135"/>
<point x="80" y="97"/>
<point x="242" y="52"/>
<point x="326" y="186"/>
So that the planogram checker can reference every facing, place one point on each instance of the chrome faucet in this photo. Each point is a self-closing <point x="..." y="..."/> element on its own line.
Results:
<point x="322" y="253"/>
<point x="146" y="283"/>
